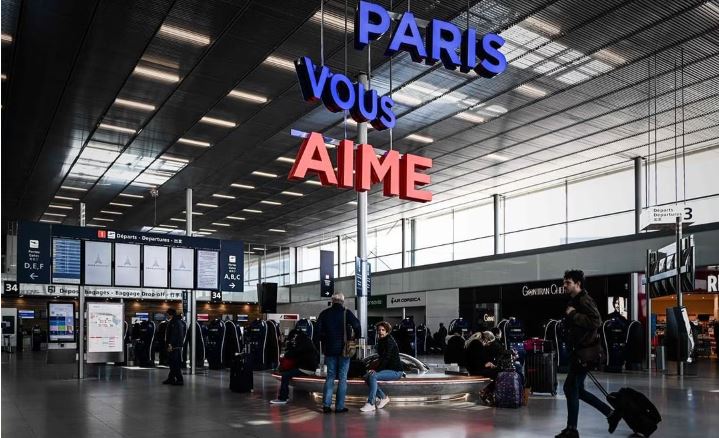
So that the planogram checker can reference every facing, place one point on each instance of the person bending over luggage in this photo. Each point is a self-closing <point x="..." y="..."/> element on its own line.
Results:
<point x="174" y="339"/>
<point x="388" y="368"/>
<point x="582" y="321"/>
<point x="301" y="358"/>
<point x="474" y="351"/>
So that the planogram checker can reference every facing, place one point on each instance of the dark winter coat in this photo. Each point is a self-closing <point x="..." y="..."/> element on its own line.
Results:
<point x="302" y="351"/>
<point x="175" y="334"/>
<point x="388" y="352"/>
<point x="331" y="332"/>
<point x="583" y="323"/>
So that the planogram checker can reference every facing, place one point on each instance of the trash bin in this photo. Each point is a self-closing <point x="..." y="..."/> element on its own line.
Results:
<point x="661" y="360"/>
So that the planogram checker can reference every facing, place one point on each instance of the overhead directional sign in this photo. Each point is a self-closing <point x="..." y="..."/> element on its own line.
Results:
<point x="232" y="265"/>
<point x="327" y="274"/>
<point x="34" y="253"/>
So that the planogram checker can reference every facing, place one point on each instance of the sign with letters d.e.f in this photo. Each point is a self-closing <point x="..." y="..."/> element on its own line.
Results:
<point x="327" y="274"/>
<point x="232" y="265"/>
<point x="34" y="245"/>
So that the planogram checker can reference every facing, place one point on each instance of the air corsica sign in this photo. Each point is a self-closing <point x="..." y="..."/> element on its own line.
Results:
<point x="444" y="43"/>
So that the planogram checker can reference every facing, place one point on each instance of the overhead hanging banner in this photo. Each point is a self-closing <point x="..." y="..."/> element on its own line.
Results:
<point x="33" y="253"/>
<point x="232" y="266"/>
<point x="327" y="274"/>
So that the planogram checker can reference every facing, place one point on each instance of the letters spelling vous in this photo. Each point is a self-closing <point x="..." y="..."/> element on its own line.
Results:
<point x="444" y="42"/>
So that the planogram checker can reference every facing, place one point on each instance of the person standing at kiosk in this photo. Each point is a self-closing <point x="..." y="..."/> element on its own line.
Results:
<point x="175" y="337"/>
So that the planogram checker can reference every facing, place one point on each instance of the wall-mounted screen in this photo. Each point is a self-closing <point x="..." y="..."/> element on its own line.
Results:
<point x="127" y="265"/>
<point x="61" y="322"/>
<point x="154" y="266"/>
<point x="26" y="314"/>
<point x="66" y="261"/>
<point x="207" y="266"/>
<point x="182" y="268"/>
<point x="104" y="327"/>
<point x="98" y="263"/>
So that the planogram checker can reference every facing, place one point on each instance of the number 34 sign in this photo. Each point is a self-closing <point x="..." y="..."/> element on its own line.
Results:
<point x="10" y="288"/>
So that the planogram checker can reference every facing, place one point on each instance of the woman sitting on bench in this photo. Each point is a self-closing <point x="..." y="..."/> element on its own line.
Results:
<point x="388" y="368"/>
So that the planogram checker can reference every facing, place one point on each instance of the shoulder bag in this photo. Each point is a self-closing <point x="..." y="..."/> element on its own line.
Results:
<point x="350" y="345"/>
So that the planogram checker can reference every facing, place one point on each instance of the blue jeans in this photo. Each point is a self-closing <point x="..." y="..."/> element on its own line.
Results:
<point x="337" y="368"/>
<point x="574" y="391"/>
<point x="285" y="383"/>
<point x="372" y="379"/>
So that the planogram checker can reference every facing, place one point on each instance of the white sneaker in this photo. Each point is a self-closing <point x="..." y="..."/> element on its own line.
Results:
<point x="278" y="402"/>
<point x="367" y="407"/>
<point x="383" y="402"/>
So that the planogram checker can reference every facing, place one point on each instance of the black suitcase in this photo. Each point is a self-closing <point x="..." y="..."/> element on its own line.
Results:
<point x="541" y="372"/>
<point x="636" y="409"/>
<point x="241" y="377"/>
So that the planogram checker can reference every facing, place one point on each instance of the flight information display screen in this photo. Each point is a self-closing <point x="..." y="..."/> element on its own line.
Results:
<point x="155" y="266"/>
<point x="66" y="261"/>
<point x="98" y="263"/>
<point x="182" y="272"/>
<point x="127" y="265"/>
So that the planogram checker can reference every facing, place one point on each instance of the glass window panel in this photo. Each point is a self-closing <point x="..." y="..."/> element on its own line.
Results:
<point x="474" y="222"/>
<point x="474" y="248"/>
<point x="599" y="228"/>
<point x="437" y="254"/>
<point x="535" y="209"/>
<point x="601" y="195"/>
<point x="704" y="210"/>
<point x="433" y="231"/>
<point x="389" y="239"/>
<point x="699" y="167"/>
<point x="537" y="238"/>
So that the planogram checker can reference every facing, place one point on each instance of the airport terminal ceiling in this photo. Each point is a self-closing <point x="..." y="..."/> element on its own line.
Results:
<point x="103" y="101"/>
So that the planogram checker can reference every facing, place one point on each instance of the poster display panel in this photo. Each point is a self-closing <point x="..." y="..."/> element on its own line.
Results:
<point x="127" y="265"/>
<point x="104" y="327"/>
<point x="66" y="261"/>
<point x="207" y="269"/>
<point x="182" y="270"/>
<point x="61" y="322"/>
<point x="155" y="266"/>
<point x="98" y="263"/>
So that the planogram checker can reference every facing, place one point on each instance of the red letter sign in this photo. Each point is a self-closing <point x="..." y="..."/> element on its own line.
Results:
<point x="410" y="177"/>
<point x="371" y="170"/>
<point x="345" y="164"/>
<point x="311" y="146"/>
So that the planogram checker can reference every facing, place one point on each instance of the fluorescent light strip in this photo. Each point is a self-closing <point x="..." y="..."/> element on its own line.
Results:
<point x="286" y="160"/>
<point x="218" y="122"/>
<point x="191" y="142"/>
<point x="249" y="210"/>
<point x="61" y="207"/>
<point x="184" y="35"/>
<point x="202" y="204"/>
<point x="247" y="96"/>
<point x="116" y="213"/>
<point x="77" y="189"/>
<point x="6" y="38"/>
<point x="208" y="230"/>
<point x="270" y="203"/>
<point x="221" y="224"/>
<point x="130" y="195"/>
<point x="242" y="186"/>
<point x="162" y="229"/>
<point x="470" y="117"/>
<point x="116" y="128"/>
<point x="265" y="174"/>
<point x="67" y="198"/>
<point x="235" y="218"/>
<point x="177" y="219"/>
<point x="406" y="100"/>
<point x="220" y="195"/>
<point x="419" y="138"/>
<point x="168" y="225"/>
<point x="54" y="214"/>
<point x="313" y="182"/>
<point x="134" y="105"/>
<point x="175" y="159"/>
<point x="276" y="61"/>
<point x="97" y="225"/>
<point x="3" y="76"/>
<point x="352" y="202"/>
<point x="157" y="74"/>
<point x="497" y="157"/>
<point x="288" y="193"/>
<point x="498" y="109"/>
<point x="529" y="90"/>
<point x="275" y="230"/>
<point x="120" y="204"/>
<point x="103" y="219"/>
<point x="50" y="221"/>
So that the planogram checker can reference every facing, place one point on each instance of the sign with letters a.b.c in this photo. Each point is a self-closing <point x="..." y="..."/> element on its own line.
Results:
<point x="232" y="265"/>
<point x="34" y="253"/>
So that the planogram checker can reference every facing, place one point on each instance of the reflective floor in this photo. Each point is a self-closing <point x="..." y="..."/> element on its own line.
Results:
<point x="40" y="400"/>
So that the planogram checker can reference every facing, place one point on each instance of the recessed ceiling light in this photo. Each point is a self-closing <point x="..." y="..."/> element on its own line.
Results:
<point x="333" y="21"/>
<point x="203" y="144"/>
<point x="406" y="100"/>
<point x="247" y="96"/>
<point x="276" y="230"/>
<point x="288" y="193"/>
<point x="208" y="230"/>
<point x="529" y="90"/>
<point x="135" y="105"/>
<point x="66" y="198"/>
<point x="313" y="182"/>
<point x="3" y="76"/>
<point x="47" y="213"/>
<point x="270" y="203"/>
<point x="265" y="174"/>
<point x="50" y="221"/>
<point x="276" y="61"/>
<point x="218" y="122"/>
<point x="249" y="210"/>
<point x="157" y="74"/>
<point x="202" y="204"/>
<point x="242" y="186"/>
<point x="60" y="206"/>
<point x="6" y="38"/>
<point x="117" y="213"/>
<point x="104" y="219"/>
<point x="550" y="29"/>
<point x="221" y="224"/>
<point x="143" y="184"/>
<point x="610" y="56"/>
<point x="184" y="35"/>
<point x="177" y="219"/>
<point x="470" y="117"/>
<point x="168" y="226"/>
<point x="174" y="158"/>
<point x="352" y="202"/>
<point x="286" y="160"/>
<point x="96" y="225"/>
<point x="116" y="128"/>
<point x="130" y="195"/>
<point x="120" y="204"/>
<point x="220" y="195"/>
<point x="419" y="138"/>
<point x="236" y="218"/>
<point x="497" y="157"/>
<point x="499" y="109"/>
<point x="77" y="189"/>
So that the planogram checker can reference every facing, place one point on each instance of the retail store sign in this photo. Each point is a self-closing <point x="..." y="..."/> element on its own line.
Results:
<point x="553" y="289"/>
<point x="101" y="292"/>
<point x="713" y="283"/>
<point x="361" y="168"/>
<point x="416" y="299"/>
<point x="378" y="302"/>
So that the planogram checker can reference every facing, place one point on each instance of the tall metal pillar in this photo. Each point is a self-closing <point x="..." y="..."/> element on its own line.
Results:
<point x="362" y="229"/>
<point x="81" y="314"/>
<point x="339" y="256"/>
<point x="637" y="193"/>
<point x="404" y="243"/>
<point x="495" y="198"/>
<point x="193" y="297"/>
<point x="678" y="279"/>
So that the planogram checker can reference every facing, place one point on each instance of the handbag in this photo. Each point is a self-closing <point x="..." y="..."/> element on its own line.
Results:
<point x="350" y="345"/>
<point x="590" y="355"/>
<point x="287" y="363"/>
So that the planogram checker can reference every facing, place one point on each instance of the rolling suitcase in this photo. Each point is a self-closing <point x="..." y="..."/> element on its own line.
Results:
<point x="636" y="409"/>
<point x="541" y="372"/>
<point x="508" y="391"/>
<point x="241" y="377"/>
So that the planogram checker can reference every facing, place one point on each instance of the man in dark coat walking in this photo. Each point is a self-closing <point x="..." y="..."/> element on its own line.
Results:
<point x="174" y="339"/>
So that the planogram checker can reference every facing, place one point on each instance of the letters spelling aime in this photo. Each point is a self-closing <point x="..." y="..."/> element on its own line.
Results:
<point x="444" y="41"/>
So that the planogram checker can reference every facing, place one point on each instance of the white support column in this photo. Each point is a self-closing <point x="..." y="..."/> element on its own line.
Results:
<point x="81" y="314"/>
<point x="362" y="230"/>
